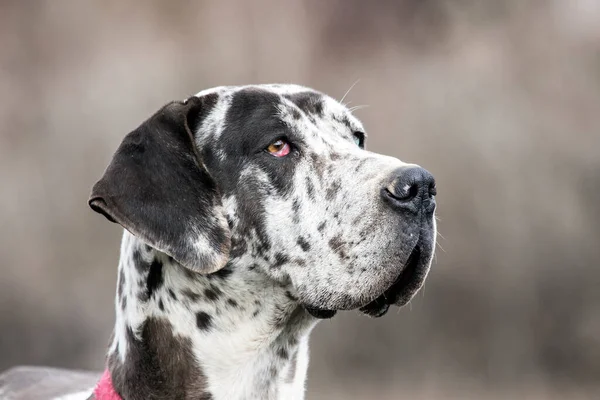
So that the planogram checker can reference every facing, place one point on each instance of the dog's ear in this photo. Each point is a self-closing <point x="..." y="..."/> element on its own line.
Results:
<point x="157" y="188"/>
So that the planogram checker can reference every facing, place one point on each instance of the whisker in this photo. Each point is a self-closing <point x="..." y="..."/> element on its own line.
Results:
<point x="355" y="108"/>
<point x="348" y="91"/>
<point x="440" y="246"/>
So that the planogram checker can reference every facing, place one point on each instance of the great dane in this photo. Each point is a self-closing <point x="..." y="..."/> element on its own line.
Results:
<point x="250" y="213"/>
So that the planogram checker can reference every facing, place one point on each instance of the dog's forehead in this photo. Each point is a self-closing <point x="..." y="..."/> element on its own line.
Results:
<point x="290" y="103"/>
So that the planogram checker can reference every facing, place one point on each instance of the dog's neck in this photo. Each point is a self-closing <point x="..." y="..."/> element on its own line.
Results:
<point x="234" y="334"/>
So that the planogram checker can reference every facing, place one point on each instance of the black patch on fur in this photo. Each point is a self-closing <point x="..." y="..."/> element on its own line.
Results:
<point x="295" y="113"/>
<point x="304" y="245"/>
<point x="203" y="321"/>
<point x="318" y="165"/>
<point x="339" y="246"/>
<point x="238" y="247"/>
<point x="172" y="294"/>
<point x="193" y="296"/>
<point x="121" y="283"/>
<point x="361" y="164"/>
<point x="289" y="295"/>
<point x="280" y="259"/>
<point x="138" y="261"/>
<point x="212" y="293"/>
<point x="224" y="272"/>
<point x="155" y="278"/>
<point x="282" y="353"/>
<point x="333" y="190"/>
<point x="295" y="211"/>
<point x="310" y="188"/>
<point x="251" y="124"/>
<point x="158" y="366"/>
<point x="232" y="303"/>
<point x="343" y="119"/>
<point x="309" y="102"/>
<point x="321" y="226"/>
<point x="161" y="305"/>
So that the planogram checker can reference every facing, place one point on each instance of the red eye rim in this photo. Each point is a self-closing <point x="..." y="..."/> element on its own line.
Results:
<point x="279" y="148"/>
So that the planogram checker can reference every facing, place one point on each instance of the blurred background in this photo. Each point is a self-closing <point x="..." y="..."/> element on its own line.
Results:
<point x="499" y="99"/>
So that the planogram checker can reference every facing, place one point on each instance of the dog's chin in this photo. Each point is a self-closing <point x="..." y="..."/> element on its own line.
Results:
<point x="399" y="293"/>
<point x="404" y="287"/>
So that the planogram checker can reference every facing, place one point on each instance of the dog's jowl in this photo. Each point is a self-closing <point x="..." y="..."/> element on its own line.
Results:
<point x="250" y="213"/>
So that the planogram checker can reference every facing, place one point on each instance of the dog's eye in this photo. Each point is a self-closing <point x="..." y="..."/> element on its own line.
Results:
<point x="359" y="139"/>
<point x="279" y="148"/>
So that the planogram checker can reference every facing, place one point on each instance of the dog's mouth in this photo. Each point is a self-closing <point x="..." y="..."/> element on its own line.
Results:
<point x="401" y="290"/>
<point x="399" y="293"/>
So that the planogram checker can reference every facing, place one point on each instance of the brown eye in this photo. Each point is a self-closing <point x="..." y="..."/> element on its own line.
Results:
<point x="279" y="148"/>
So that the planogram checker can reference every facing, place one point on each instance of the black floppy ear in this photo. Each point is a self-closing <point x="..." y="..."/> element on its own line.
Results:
<point x="157" y="188"/>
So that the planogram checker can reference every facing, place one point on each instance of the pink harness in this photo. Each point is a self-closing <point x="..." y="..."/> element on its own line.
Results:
<point x="104" y="389"/>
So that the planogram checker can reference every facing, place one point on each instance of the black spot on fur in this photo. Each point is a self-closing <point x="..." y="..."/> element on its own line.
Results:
<point x="280" y="259"/>
<point x="212" y="293"/>
<point x="193" y="296"/>
<point x="172" y="294"/>
<point x="155" y="277"/>
<point x="300" y="262"/>
<point x="318" y="165"/>
<point x="224" y="272"/>
<point x="321" y="226"/>
<point x="339" y="246"/>
<point x="121" y="283"/>
<point x="238" y="248"/>
<point x="140" y="264"/>
<point x="343" y="119"/>
<point x="203" y="321"/>
<point x="304" y="245"/>
<point x="161" y="305"/>
<point x="296" y="114"/>
<point x="124" y="302"/>
<point x="295" y="209"/>
<point x="333" y="190"/>
<point x="256" y="312"/>
<point x="361" y="164"/>
<point x="232" y="303"/>
<point x="283" y="353"/>
<point x="310" y="188"/>
<point x="309" y="102"/>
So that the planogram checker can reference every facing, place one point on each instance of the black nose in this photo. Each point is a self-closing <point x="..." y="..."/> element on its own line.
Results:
<point x="410" y="188"/>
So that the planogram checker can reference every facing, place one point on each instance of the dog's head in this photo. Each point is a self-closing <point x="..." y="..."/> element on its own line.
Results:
<point x="276" y="178"/>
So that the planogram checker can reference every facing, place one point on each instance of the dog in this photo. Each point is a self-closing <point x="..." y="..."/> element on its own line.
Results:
<point x="249" y="214"/>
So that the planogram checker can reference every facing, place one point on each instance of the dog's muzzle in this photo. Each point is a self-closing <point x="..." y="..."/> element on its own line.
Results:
<point x="411" y="192"/>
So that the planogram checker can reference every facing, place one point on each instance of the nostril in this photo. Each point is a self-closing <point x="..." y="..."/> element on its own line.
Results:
<point x="404" y="193"/>
<point x="411" y="187"/>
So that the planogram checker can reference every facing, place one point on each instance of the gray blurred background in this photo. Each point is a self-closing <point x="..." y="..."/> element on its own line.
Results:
<point x="499" y="99"/>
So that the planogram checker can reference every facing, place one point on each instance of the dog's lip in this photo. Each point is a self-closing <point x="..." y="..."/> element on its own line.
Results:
<point x="397" y="292"/>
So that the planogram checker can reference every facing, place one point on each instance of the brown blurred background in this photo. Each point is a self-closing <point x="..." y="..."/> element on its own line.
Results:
<point x="499" y="99"/>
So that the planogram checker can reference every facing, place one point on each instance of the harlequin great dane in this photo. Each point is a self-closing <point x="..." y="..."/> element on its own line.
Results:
<point x="250" y="213"/>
